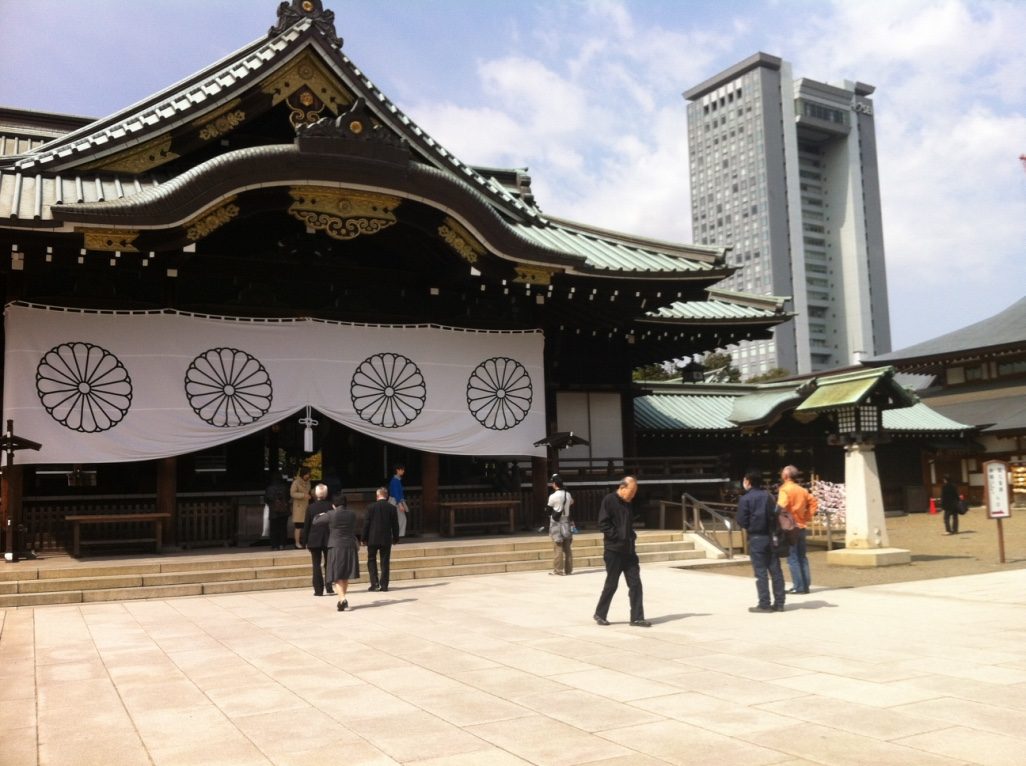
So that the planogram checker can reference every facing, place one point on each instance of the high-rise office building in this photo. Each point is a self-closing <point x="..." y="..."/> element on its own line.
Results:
<point x="784" y="171"/>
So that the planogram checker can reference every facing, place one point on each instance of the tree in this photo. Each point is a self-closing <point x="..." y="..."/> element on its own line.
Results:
<point x="777" y="373"/>
<point x="653" y="372"/>
<point x="719" y="368"/>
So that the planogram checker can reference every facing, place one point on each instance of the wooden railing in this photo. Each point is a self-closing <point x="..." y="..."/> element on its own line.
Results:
<point x="199" y="519"/>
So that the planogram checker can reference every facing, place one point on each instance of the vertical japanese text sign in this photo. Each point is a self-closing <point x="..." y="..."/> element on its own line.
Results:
<point x="995" y="473"/>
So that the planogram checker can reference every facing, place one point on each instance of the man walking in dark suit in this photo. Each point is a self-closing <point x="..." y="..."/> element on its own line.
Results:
<point x="616" y="522"/>
<point x="315" y="537"/>
<point x="380" y="533"/>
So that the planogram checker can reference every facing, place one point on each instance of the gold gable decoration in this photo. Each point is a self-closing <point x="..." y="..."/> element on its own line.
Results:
<point x="460" y="240"/>
<point x="110" y="240"/>
<point x="342" y="213"/>
<point x="305" y="108"/>
<point x="307" y="73"/>
<point x="221" y="122"/>
<point x="533" y="275"/>
<point x="202" y="225"/>
<point x="139" y="160"/>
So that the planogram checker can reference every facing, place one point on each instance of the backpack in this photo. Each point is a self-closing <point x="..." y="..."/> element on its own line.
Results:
<point x="787" y="527"/>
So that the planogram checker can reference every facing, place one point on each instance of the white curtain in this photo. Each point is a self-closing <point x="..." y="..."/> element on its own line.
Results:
<point x="97" y="387"/>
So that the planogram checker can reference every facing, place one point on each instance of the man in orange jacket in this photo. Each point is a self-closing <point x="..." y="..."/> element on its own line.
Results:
<point x="802" y="505"/>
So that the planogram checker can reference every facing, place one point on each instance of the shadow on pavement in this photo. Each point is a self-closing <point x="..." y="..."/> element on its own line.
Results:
<point x="674" y="617"/>
<point x="791" y="606"/>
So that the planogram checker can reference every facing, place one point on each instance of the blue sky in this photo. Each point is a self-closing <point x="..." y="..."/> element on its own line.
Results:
<point x="587" y="95"/>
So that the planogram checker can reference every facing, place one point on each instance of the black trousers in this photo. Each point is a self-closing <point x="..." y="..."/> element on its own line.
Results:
<point x="373" y="551"/>
<point x="319" y="562"/>
<point x="628" y="565"/>
<point x="950" y="521"/>
<point x="279" y="525"/>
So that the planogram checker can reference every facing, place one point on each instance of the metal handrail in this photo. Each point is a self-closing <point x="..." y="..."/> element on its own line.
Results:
<point x="698" y="526"/>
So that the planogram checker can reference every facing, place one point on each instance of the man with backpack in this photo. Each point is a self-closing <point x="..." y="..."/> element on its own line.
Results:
<point x="796" y="500"/>
<point x="756" y="514"/>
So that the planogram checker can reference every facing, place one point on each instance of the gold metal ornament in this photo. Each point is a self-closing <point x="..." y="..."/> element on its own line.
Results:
<point x="342" y="213"/>
<point x="203" y="225"/>
<point x="138" y="160"/>
<point x="461" y="240"/>
<point x="110" y="240"/>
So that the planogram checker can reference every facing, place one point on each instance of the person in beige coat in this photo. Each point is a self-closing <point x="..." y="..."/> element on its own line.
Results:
<point x="300" y="492"/>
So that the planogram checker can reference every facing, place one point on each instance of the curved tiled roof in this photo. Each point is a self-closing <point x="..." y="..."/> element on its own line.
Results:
<point x="1007" y="328"/>
<point x="695" y="409"/>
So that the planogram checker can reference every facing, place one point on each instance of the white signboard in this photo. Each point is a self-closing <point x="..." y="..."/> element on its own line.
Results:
<point x="996" y="484"/>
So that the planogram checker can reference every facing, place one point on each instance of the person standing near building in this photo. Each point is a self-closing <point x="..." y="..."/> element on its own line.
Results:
<point x="756" y="514"/>
<point x="397" y="497"/>
<point x="796" y="499"/>
<point x="559" y="504"/>
<point x="616" y="522"/>
<point x="315" y="538"/>
<point x="343" y="551"/>
<point x="380" y="533"/>
<point x="300" y="493"/>
<point x="949" y="503"/>
<point x="276" y="496"/>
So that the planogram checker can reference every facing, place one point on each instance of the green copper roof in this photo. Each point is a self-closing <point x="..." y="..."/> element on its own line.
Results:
<point x="852" y="389"/>
<point x="683" y="412"/>
<point x="718" y="407"/>
<point x="695" y="410"/>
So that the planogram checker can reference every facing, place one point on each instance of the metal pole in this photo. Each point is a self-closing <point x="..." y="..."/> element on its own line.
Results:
<point x="11" y="554"/>
<point x="1001" y="540"/>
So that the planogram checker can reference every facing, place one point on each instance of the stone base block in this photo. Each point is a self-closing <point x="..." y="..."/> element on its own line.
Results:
<point x="868" y="557"/>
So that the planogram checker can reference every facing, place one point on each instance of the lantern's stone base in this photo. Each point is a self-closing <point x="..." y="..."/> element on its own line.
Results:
<point x="868" y="557"/>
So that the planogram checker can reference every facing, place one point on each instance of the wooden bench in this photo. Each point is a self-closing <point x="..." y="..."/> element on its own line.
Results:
<point x="452" y="508"/>
<point x="114" y="518"/>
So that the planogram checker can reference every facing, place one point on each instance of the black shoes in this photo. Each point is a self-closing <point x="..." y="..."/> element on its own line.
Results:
<point x="383" y="588"/>
<point x="799" y="592"/>
<point x="641" y="623"/>
<point x="778" y="607"/>
<point x="760" y="609"/>
<point x="600" y="620"/>
<point x="374" y="587"/>
<point x="342" y="605"/>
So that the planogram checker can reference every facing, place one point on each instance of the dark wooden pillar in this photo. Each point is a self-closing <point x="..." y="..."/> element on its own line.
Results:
<point x="167" y="496"/>
<point x="429" y="491"/>
<point x="539" y="490"/>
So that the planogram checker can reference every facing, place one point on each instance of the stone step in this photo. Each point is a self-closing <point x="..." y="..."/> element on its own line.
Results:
<point x="267" y="570"/>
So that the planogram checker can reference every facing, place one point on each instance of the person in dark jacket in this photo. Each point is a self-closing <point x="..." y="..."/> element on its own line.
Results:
<point x="380" y="533"/>
<point x="949" y="503"/>
<point x="315" y="537"/>
<point x="756" y="513"/>
<point x="615" y="520"/>
<point x="343" y="551"/>
<point x="279" y="511"/>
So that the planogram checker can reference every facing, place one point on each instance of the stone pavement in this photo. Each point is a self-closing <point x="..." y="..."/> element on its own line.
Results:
<point x="510" y="669"/>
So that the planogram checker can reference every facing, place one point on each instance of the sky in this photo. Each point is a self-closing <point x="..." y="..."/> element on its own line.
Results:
<point x="587" y="96"/>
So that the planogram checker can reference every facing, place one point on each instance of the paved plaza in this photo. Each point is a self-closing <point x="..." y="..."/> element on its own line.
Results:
<point x="510" y="669"/>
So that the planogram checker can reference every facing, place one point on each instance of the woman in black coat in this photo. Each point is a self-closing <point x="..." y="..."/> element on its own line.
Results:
<point x="343" y="551"/>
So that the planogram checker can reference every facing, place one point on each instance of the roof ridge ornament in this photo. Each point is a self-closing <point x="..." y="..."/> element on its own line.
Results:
<point x="354" y="131"/>
<point x="297" y="10"/>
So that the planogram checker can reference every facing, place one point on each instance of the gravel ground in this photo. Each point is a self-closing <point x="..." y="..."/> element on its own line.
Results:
<point x="974" y="550"/>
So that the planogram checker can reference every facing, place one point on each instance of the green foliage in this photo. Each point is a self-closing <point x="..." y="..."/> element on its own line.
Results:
<point x="777" y="373"/>
<point x="653" y="372"/>
<point x="716" y="360"/>
<point x="719" y="368"/>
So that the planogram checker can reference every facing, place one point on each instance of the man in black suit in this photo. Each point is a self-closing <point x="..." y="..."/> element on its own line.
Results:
<point x="315" y="537"/>
<point x="380" y="533"/>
